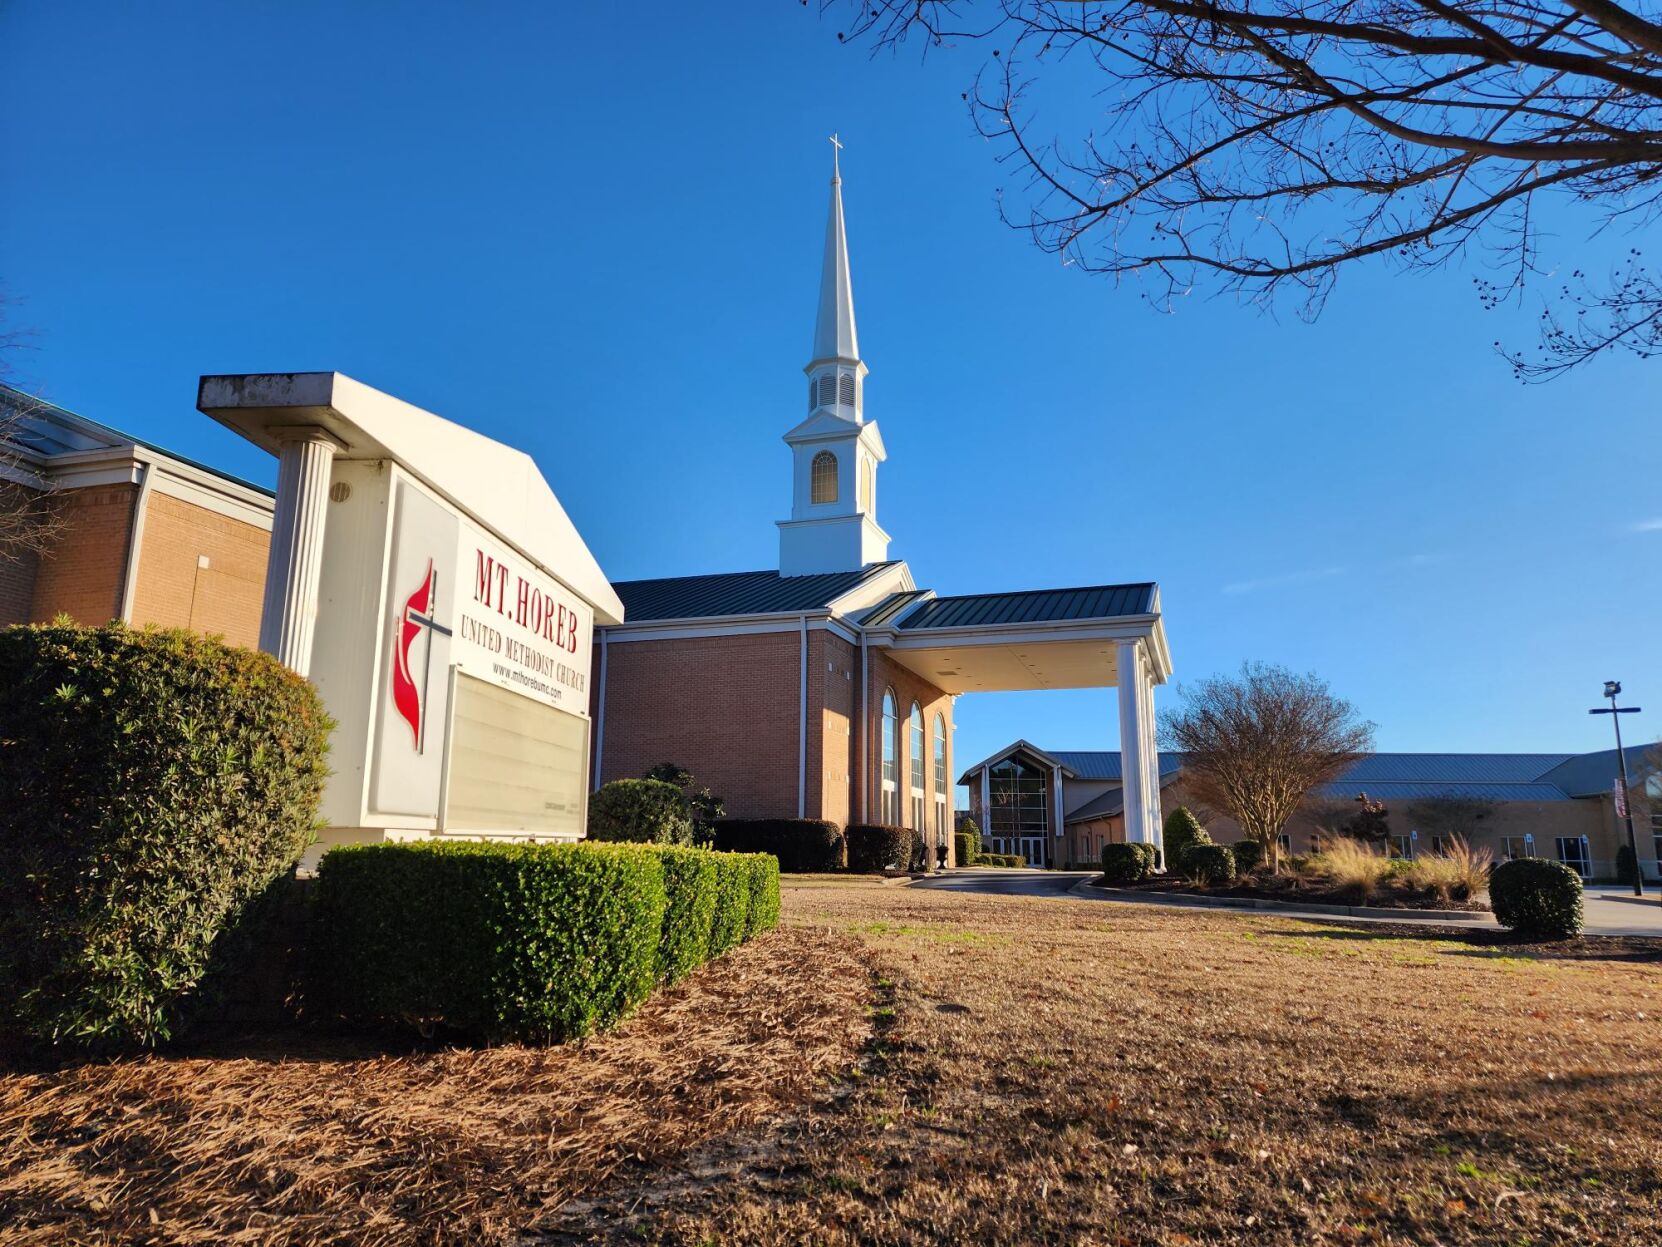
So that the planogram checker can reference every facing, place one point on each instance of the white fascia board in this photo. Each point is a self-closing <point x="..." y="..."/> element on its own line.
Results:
<point x="1120" y="627"/>
<point x="725" y="625"/>
<point x="1016" y="746"/>
<point x="823" y="426"/>
<point x="121" y="465"/>
<point x="868" y="593"/>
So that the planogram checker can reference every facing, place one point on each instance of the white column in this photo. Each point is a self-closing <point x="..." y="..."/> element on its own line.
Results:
<point x="1151" y="749"/>
<point x="1133" y="744"/>
<point x="289" y="613"/>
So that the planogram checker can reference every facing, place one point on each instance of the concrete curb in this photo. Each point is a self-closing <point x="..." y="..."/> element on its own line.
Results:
<point x="1087" y="888"/>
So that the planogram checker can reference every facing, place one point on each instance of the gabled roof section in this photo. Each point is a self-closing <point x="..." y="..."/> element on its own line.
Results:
<point x="890" y="608"/>
<point x="739" y="593"/>
<point x="1010" y="750"/>
<point x="1033" y="606"/>
<point x="1593" y="774"/>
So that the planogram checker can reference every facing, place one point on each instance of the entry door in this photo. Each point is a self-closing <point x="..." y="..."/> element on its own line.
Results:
<point x="1033" y="849"/>
<point x="1572" y="851"/>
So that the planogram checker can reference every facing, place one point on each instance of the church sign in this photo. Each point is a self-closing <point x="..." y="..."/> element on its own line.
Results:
<point x="429" y="583"/>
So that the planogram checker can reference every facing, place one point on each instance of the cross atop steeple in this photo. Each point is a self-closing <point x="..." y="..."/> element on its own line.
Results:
<point x="836" y="172"/>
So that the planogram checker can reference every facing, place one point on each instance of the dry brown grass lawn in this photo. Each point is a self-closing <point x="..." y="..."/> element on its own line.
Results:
<point x="1059" y="1071"/>
<point x="906" y="1066"/>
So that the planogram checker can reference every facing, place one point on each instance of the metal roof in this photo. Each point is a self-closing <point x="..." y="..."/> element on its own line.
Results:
<point x="737" y="593"/>
<point x="1495" y="768"/>
<point x="1032" y="606"/>
<point x="1589" y="774"/>
<point x="1403" y="790"/>
<point x="1105" y="763"/>
<point x="891" y="606"/>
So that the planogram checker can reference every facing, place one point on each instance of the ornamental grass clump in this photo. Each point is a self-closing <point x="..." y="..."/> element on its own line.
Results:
<point x="1347" y="864"/>
<point x="157" y="783"/>
<point x="1459" y="873"/>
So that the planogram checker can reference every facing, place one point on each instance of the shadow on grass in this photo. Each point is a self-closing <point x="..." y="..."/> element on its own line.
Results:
<point x="1482" y="941"/>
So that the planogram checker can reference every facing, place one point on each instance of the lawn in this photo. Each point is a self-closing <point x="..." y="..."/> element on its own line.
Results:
<point x="898" y="1065"/>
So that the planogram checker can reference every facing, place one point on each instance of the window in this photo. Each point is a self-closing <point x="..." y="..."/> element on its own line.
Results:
<point x="1514" y="847"/>
<point x="845" y="389"/>
<point x="1439" y="846"/>
<point x="822" y="482"/>
<point x="891" y="759"/>
<point x="827" y="388"/>
<point x="1402" y="847"/>
<point x="1020" y="815"/>
<point x="1572" y="851"/>
<point x="941" y="826"/>
<point x="813" y="388"/>
<point x="917" y="761"/>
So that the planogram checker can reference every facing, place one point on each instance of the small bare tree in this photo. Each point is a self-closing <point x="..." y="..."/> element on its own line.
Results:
<point x="30" y="520"/>
<point x="1262" y="146"/>
<point x="1255" y="744"/>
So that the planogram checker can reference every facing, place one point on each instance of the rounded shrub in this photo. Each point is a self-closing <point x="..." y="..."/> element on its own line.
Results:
<point x="538" y="943"/>
<point x="1536" y="897"/>
<point x="967" y="827"/>
<point x="642" y="811"/>
<point x="156" y="784"/>
<point x="1249" y="855"/>
<point x="1126" y="863"/>
<point x="689" y="910"/>
<point x="963" y="848"/>
<point x="876" y="847"/>
<point x="801" y="845"/>
<point x="1182" y="831"/>
<point x="1211" y="864"/>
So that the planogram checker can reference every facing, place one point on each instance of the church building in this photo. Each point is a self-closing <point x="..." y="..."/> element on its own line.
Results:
<point x="824" y="687"/>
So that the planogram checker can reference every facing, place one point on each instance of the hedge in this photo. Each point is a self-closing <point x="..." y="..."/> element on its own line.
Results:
<point x="1125" y="863"/>
<point x="1001" y="859"/>
<point x="802" y="845"/>
<point x="963" y="848"/>
<point x="1149" y="854"/>
<point x="1249" y="855"/>
<point x="967" y="827"/>
<point x="642" y="811"/>
<point x="538" y="943"/>
<point x="1211" y="864"/>
<point x="1181" y="833"/>
<point x="156" y="782"/>
<point x="876" y="847"/>
<point x="763" y="914"/>
<point x="732" y="915"/>
<point x="690" y="909"/>
<point x="1536" y="897"/>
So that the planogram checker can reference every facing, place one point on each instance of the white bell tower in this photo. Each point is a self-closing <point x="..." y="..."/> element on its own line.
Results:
<point x="835" y="451"/>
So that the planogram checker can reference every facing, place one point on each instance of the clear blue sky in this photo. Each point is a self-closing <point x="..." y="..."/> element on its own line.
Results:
<point x="594" y="231"/>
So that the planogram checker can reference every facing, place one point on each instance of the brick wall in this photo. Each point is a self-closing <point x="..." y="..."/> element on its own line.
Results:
<point x="726" y="708"/>
<point x="17" y="568"/>
<point x="82" y="575"/>
<point x="174" y="590"/>
<point x="909" y="687"/>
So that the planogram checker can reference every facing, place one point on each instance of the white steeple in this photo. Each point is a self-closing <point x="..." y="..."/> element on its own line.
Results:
<point x="835" y="451"/>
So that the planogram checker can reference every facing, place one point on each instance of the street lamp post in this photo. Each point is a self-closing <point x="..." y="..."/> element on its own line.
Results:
<point x="1611" y="688"/>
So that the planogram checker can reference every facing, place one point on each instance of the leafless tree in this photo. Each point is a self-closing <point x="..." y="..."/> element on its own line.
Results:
<point x="1258" y="742"/>
<point x="30" y="520"/>
<point x="1261" y="146"/>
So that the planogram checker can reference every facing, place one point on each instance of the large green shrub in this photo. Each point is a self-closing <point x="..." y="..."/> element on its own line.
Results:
<point x="1211" y="864"/>
<point x="876" y="847"/>
<point x="801" y="845"/>
<point x="155" y="783"/>
<point x="731" y="922"/>
<point x="690" y="908"/>
<point x="643" y="811"/>
<point x="1181" y="833"/>
<point x="963" y="848"/>
<point x="1249" y="855"/>
<point x="763" y="914"/>
<point x="967" y="827"/>
<point x="1125" y="863"/>
<point x="1536" y="897"/>
<point x="1149" y="854"/>
<point x="505" y="941"/>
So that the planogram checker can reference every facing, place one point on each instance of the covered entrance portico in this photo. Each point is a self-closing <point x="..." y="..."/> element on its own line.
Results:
<point x="1097" y="637"/>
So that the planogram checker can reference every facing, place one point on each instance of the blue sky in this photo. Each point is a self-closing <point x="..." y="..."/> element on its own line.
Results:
<point x="594" y="232"/>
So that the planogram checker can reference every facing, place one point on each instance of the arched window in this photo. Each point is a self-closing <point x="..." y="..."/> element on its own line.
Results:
<point x="891" y="759"/>
<point x="940" y="779"/>
<point x="845" y="389"/>
<point x="822" y="483"/>
<point x="917" y="768"/>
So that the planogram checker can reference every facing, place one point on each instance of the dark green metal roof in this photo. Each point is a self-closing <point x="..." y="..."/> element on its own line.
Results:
<point x="1035" y="606"/>
<point x="889" y="608"/>
<point x="736" y="593"/>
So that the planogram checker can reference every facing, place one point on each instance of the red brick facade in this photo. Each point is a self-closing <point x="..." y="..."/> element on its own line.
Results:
<point x="174" y="590"/>
<point x="728" y="709"/>
<point x="83" y="574"/>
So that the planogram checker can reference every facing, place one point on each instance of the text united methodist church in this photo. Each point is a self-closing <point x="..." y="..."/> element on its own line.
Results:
<point x="483" y="672"/>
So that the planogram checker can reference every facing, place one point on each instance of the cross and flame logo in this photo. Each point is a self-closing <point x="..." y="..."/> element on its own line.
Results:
<point x="408" y="697"/>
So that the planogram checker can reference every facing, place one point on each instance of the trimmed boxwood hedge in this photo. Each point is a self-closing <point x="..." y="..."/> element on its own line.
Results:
<point x="1210" y="864"/>
<point x="1001" y="859"/>
<point x="690" y="908"/>
<point x="763" y="914"/>
<point x="963" y="847"/>
<point x="732" y="913"/>
<point x="802" y="845"/>
<point x="1537" y="897"/>
<point x="1124" y="863"/>
<point x="156" y="783"/>
<point x="876" y="847"/>
<point x="1181" y="833"/>
<point x="1249" y="855"/>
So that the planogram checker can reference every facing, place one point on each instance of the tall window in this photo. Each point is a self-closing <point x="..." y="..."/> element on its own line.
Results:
<point x="917" y="768"/>
<point x="1572" y="851"/>
<point x="940" y="780"/>
<point x="822" y="477"/>
<point x="891" y="759"/>
<point x="1019" y="815"/>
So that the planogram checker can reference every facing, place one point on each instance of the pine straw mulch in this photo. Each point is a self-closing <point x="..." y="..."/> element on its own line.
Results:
<point x="313" y="1141"/>
<point x="1075" y="1072"/>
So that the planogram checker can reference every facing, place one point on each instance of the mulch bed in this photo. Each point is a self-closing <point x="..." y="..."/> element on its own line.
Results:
<point x="1293" y="889"/>
<point x="304" y="1139"/>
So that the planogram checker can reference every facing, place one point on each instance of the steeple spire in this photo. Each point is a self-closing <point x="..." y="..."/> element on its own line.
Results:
<point x="834" y="336"/>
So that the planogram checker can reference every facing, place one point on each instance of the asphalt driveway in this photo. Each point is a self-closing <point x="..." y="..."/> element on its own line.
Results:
<point x="1610" y="910"/>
